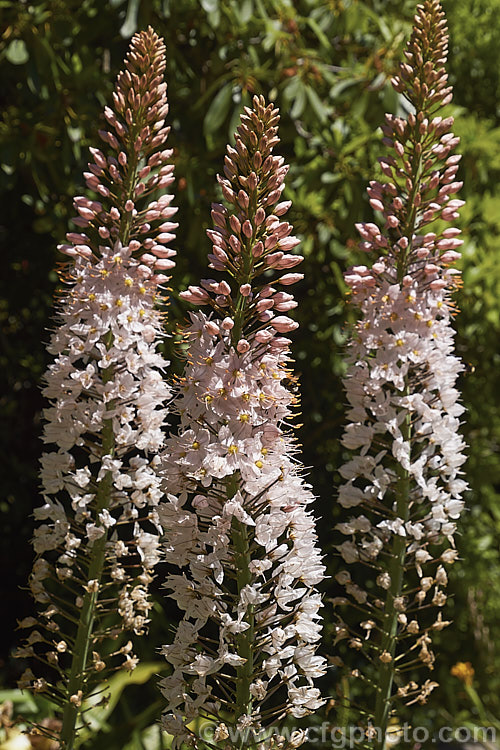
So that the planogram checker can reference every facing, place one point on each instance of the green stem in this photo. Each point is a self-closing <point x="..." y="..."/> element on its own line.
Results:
<point x="244" y="640"/>
<point x="77" y="677"/>
<point x="395" y="569"/>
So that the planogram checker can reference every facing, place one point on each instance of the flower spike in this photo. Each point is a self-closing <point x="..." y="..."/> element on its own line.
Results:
<point x="236" y="521"/>
<point x="403" y="483"/>
<point x="97" y="543"/>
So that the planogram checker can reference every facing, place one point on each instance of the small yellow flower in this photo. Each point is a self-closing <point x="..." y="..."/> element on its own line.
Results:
<point x="464" y="671"/>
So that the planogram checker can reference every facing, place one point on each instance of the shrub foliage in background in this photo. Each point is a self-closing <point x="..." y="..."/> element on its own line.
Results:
<point x="327" y="65"/>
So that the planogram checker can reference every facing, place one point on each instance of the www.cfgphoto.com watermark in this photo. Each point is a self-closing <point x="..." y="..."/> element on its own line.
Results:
<point x="350" y="736"/>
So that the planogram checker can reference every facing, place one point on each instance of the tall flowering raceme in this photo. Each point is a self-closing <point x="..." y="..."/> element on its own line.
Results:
<point x="402" y="485"/>
<point x="236" y="521"/>
<point x="97" y="543"/>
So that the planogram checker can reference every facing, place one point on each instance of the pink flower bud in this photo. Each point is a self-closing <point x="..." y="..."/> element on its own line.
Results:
<point x="271" y="241"/>
<point x="242" y="346"/>
<point x="165" y="237"/>
<point x="264" y="304"/>
<point x="272" y="260"/>
<point x="288" y="243"/>
<point x="235" y="243"/>
<point x="289" y="261"/>
<point x="99" y="157"/>
<point x="216" y="237"/>
<point x="160" y="278"/>
<point x="211" y="328"/>
<point x="265" y="316"/>
<point x="282" y="208"/>
<point x="234" y="223"/>
<point x="280" y="343"/>
<point x="266" y="291"/>
<point x="223" y="288"/>
<point x="163" y="252"/>
<point x="263" y="336"/>
<point x="247" y="229"/>
<point x="85" y="213"/>
<point x="260" y="216"/>
<point x="450" y="256"/>
<point x="245" y="290"/>
<point x="283" y="324"/>
<point x="195" y="294"/>
<point x="451" y="232"/>
<point x="285" y="306"/>
<point x="290" y="278"/>
<point x="164" y="264"/>
<point x="430" y="268"/>
<point x="376" y="204"/>
<point x="83" y="250"/>
<point x="243" y="199"/>
<point x="227" y="324"/>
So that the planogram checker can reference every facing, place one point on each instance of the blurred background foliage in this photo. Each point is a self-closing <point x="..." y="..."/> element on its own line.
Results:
<point x="327" y="65"/>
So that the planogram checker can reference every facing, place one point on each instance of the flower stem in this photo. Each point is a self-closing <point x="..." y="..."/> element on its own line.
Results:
<point x="395" y="569"/>
<point x="77" y="677"/>
<point x="242" y="560"/>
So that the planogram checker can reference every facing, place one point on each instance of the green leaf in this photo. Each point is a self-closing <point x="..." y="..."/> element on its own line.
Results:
<point x="129" y="26"/>
<point x="98" y="716"/>
<point x="210" y="6"/>
<point x="317" y="105"/>
<point x="299" y="103"/>
<point x="218" y="110"/>
<point x="246" y="11"/>
<point x="17" y="53"/>
<point x="322" y="38"/>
